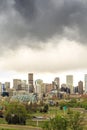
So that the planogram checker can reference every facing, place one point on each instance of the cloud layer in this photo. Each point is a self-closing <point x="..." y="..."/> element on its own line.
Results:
<point x="32" y="34"/>
<point x="24" y="20"/>
<point x="64" y="57"/>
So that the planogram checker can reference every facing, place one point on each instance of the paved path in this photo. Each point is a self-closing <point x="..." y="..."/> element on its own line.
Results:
<point x="19" y="127"/>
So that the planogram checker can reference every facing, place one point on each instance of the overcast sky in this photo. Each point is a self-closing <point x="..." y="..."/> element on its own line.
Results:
<point x="43" y="37"/>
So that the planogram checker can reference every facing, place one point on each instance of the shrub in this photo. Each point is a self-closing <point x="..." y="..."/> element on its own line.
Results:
<point x="75" y="121"/>
<point x="15" y="113"/>
<point x="56" y="123"/>
<point x="70" y="122"/>
<point x="45" y="109"/>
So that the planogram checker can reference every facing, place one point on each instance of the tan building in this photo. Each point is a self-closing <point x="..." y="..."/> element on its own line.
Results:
<point x="24" y="85"/>
<point x="7" y="86"/>
<point x="47" y="87"/>
<point x="69" y="82"/>
<point x="17" y="84"/>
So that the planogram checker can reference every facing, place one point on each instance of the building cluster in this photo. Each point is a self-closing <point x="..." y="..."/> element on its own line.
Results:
<point x="41" y="88"/>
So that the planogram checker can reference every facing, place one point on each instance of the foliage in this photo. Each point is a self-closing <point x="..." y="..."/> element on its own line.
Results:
<point x="62" y="104"/>
<point x="73" y="103"/>
<point x="15" y="113"/>
<point x="75" y="121"/>
<point x="68" y="122"/>
<point x="2" y="121"/>
<point x="45" y="108"/>
<point x="84" y="104"/>
<point x="56" y="123"/>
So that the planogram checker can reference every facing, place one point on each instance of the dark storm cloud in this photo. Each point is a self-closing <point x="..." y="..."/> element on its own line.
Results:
<point x="52" y="17"/>
<point x="27" y="8"/>
<point x="42" y="19"/>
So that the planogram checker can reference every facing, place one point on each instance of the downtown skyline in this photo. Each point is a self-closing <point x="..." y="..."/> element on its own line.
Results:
<point x="47" y="78"/>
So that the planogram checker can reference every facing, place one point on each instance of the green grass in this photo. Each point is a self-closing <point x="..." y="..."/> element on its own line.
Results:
<point x="7" y="129"/>
<point x="52" y="111"/>
<point x="2" y="121"/>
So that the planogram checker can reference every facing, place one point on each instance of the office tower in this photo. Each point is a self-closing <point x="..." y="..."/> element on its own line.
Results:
<point x="57" y="83"/>
<point x="24" y="85"/>
<point x="3" y="88"/>
<point x="7" y="85"/>
<point x="39" y="86"/>
<point x="69" y="82"/>
<point x="30" y="82"/>
<point x="0" y="88"/>
<point x="76" y="89"/>
<point x="17" y="84"/>
<point x="80" y="87"/>
<point x="53" y="85"/>
<point x="85" y="83"/>
<point x="47" y="87"/>
<point x="63" y="87"/>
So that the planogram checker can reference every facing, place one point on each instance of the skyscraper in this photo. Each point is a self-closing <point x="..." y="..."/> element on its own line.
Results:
<point x="16" y="84"/>
<point x="39" y="86"/>
<point x="30" y="82"/>
<point x="7" y="85"/>
<point x="57" y="82"/>
<point x="80" y="87"/>
<point x="85" y="83"/>
<point x="69" y="82"/>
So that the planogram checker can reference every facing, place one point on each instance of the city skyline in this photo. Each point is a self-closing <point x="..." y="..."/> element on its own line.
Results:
<point x="47" y="78"/>
<point x="46" y="37"/>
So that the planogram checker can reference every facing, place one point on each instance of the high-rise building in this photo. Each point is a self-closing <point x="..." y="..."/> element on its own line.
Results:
<point x="47" y="87"/>
<point x="57" y="83"/>
<point x="7" y="85"/>
<point x="39" y="86"/>
<point x="69" y="82"/>
<point x="76" y="89"/>
<point x="85" y="83"/>
<point x="17" y="84"/>
<point x="24" y="85"/>
<point x="80" y="87"/>
<point x="3" y="88"/>
<point x="30" y="82"/>
<point x="0" y="88"/>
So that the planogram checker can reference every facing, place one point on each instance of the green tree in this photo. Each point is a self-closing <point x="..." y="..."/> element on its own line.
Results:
<point x="56" y="123"/>
<point x="16" y="113"/>
<point x="71" y="121"/>
<point x="46" y="107"/>
<point x="75" y="121"/>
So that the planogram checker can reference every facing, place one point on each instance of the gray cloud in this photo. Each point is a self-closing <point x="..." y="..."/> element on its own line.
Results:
<point x="40" y="20"/>
<point x="26" y="8"/>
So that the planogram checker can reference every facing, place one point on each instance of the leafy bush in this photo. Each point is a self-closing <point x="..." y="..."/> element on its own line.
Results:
<point x="45" y="109"/>
<point x="56" y="123"/>
<point x="62" y="104"/>
<point x="15" y="113"/>
<point x="70" y="122"/>
<point x="75" y="121"/>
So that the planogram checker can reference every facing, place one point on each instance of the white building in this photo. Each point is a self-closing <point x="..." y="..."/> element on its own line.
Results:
<point x="0" y="88"/>
<point x="38" y="86"/>
<point x="85" y="83"/>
